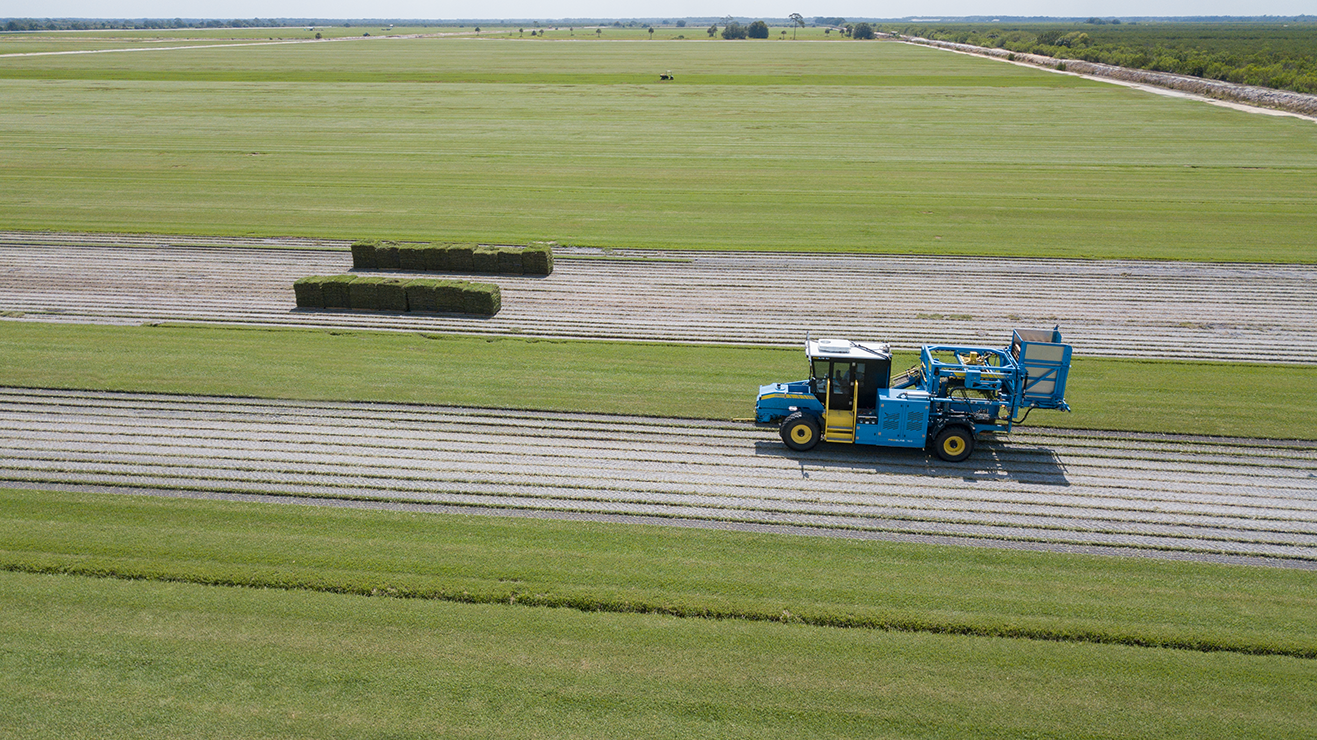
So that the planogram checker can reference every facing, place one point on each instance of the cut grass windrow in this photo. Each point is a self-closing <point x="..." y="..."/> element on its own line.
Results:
<point x="315" y="583"/>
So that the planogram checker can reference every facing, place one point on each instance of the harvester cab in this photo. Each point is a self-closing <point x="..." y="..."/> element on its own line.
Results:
<point x="954" y="394"/>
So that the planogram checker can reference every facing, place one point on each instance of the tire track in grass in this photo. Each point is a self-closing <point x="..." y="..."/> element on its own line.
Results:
<point x="1226" y="500"/>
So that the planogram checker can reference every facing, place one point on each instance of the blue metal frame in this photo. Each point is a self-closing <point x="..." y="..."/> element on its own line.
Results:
<point x="984" y="389"/>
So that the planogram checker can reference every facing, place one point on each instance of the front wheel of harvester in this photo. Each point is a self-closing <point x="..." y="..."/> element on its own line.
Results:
<point x="799" y="431"/>
<point x="954" y="444"/>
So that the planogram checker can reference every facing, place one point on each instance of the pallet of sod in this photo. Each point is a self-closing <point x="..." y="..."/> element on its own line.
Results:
<point x="309" y="292"/>
<point x="463" y="258"/>
<point x="373" y="293"/>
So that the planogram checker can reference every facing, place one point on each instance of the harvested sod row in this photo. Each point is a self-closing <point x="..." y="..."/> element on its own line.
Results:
<point x="373" y="293"/>
<point x="1237" y="500"/>
<point x="464" y="258"/>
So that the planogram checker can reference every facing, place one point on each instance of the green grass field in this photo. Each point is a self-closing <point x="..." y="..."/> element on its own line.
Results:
<point x="302" y="649"/>
<point x="149" y="38"/>
<point x="137" y="617"/>
<point x="875" y="147"/>
<point x="661" y="380"/>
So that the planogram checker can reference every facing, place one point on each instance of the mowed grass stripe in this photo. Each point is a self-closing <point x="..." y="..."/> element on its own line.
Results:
<point x="427" y="557"/>
<point x="1030" y="163"/>
<point x="164" y="655"/>
<point x="660" y="380"/>
<point x="483" y="60"/>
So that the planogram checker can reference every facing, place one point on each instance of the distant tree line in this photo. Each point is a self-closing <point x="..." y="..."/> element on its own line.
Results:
<point x="1275" y="55"/>
<point x="733" y="30"/>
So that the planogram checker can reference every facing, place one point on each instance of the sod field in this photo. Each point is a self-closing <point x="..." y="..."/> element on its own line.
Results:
<point x="241" y="620"/>
<point x="837" y="146"/>
<point x="137" y="617"/>
<point x="565" y="375"/>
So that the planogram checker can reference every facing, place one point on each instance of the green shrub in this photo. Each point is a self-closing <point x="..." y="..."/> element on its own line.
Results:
<point x="363" y="293"/>
<point x="411" y="257"/>
<point x="386" y="256"/>
<point x="363" y="254"/>
<point x="335" y="291"/>
<point x="392" y="294"/>
<point x="309" y="293"/>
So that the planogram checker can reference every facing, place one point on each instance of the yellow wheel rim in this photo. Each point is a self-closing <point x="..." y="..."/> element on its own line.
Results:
<point x="953" y="445"/>
<point x="801" y="433"/>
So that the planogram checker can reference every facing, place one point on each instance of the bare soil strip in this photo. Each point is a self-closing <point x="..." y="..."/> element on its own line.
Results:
<point x="1170" y="310"/>
<point x="1224" y="500"/>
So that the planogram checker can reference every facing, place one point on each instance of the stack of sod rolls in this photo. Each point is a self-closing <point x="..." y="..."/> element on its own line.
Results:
<point x="465" y="258"/>
<point x="370" y="293"/>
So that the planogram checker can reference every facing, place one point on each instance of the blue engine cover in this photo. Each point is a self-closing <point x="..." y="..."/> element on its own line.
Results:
<point x="901" y="420"/>
<point x="778" y="400"/>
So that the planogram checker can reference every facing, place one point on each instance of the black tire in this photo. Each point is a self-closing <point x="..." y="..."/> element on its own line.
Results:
<point x="799" y="431"/>
<point x="954" y="444"/>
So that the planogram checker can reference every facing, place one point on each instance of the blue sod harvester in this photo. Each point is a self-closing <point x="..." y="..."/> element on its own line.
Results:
<point x="953" y="394"/>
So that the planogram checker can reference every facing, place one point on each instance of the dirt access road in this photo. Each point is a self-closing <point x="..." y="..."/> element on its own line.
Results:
<point x="1189" y="311"/>
<point x="1165" y="496"/>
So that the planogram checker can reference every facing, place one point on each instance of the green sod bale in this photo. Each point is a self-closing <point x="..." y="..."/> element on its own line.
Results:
<point x="363" y="294"/>
<point x="448" y="296"/>
<point x="309" y="293"/>
<point x="386" y="256"/>
<point x="456" y="258"/>
<point x="392" y="294"/>
<point x="335" y="291"/>
<point x="482" y="299"/>
<point x="420" y="295"/>
<point x="363" y="254"/>
<point x="461" y="258"/>
<point x="411" y="257"/>
<point x="509" y="261"/>
<point x="436" y="257"/>
<point x="484" y="260"/>
<point x="537" y="260"/>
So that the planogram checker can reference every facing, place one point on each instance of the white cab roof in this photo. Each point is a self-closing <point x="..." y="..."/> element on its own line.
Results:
<point x="845" y="349"/>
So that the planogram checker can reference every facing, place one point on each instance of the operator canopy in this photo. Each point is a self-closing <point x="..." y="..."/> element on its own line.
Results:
<point x="844" y="349"/>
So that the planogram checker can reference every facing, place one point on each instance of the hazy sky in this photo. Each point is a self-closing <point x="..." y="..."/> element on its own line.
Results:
<point x="554" y="9"/>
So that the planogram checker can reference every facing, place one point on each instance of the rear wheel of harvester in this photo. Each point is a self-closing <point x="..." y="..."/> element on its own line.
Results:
<point x="799" y="431"/>
<point x="954" y="444"/>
